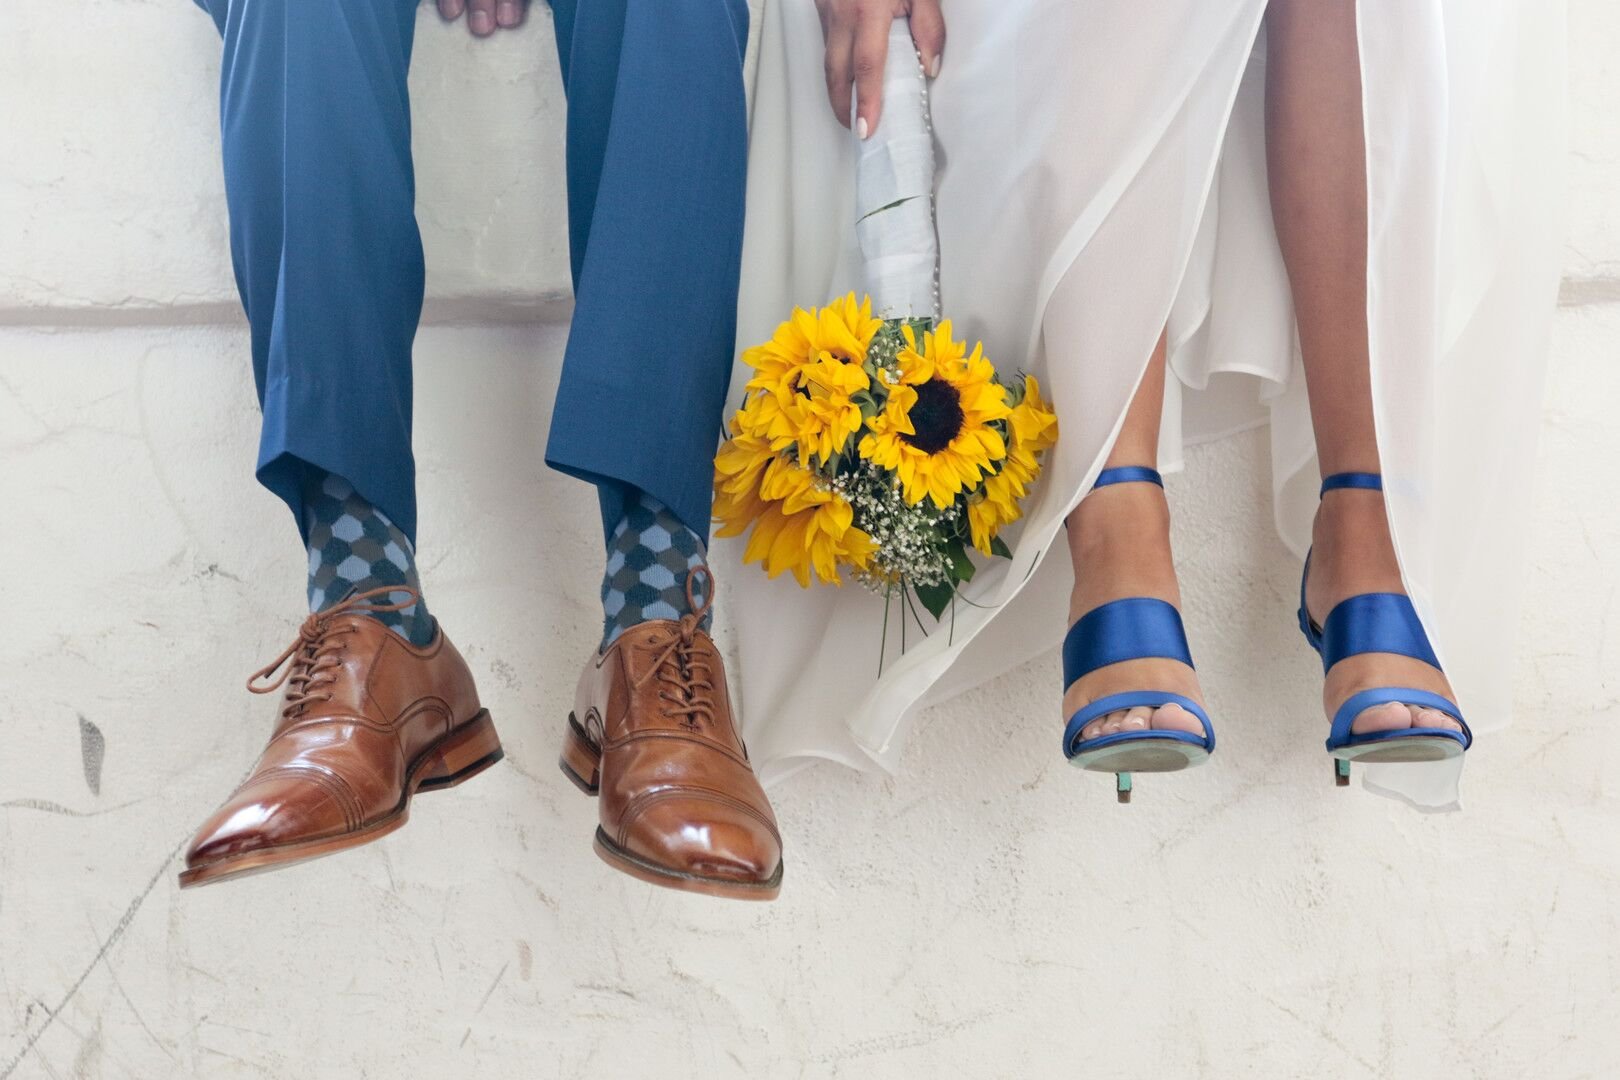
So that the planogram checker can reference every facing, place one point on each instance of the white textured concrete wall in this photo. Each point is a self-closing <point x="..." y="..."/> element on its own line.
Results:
<point x="986" y="914"/>
<point x="111" y="194"/>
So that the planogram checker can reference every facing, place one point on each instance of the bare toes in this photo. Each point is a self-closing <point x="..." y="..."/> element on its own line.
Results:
<point x="1433" y="718"/>
<point x="1139" y="718"/>
<point x="1390" y="716"/>
<point x="1175" y="718"/>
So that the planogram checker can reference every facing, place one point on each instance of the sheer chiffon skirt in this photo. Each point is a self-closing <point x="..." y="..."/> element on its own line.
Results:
<point x="1102" y="177"/>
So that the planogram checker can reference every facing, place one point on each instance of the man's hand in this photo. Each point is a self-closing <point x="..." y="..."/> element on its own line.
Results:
<point x="484" y="17"/>
<point x="857" y="35"/>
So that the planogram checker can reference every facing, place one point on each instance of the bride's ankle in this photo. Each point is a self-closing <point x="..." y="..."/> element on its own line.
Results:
<point x="1352" y="549"/>
<point x="1128" y="514"/>
<point x="1119" y="543"/>
<point x="1351" y="520"/>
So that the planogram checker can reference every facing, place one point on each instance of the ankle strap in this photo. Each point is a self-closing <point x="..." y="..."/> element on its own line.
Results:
<point x="1367" y="481"/>
<point x="1128" y="474"/>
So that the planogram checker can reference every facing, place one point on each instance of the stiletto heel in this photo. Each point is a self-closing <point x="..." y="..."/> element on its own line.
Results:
<point x="1378" y="623"/>
<point x="1132" y="629"/>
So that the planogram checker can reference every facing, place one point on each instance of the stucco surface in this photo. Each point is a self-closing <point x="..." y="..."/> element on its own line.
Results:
<point x="986" y="913"/>
<point x="120" y="146"/>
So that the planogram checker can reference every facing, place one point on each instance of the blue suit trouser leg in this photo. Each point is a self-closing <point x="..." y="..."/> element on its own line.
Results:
<point x="657" y="149"/>
<point x="315" y="121"/>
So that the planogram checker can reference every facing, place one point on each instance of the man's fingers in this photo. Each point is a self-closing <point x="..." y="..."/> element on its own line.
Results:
<point x="928" y="33"/>
<point x="452" y="9"/>
<point x="481" y="17"/>
<point x="508" y="13"/>
<point x="840" y="44"/>
<point x="871" y="51"/>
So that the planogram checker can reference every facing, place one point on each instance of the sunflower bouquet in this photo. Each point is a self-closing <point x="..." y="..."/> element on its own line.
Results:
<point x="877" y="444"/>
<point x="879" y="447"/>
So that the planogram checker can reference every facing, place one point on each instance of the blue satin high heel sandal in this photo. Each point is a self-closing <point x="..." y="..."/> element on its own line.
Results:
<point x="1132" y="629"/>
<point x="1378" y="623"/>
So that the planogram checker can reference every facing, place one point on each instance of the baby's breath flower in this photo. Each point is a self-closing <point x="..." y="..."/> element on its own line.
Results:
<point x="907" y="536"/>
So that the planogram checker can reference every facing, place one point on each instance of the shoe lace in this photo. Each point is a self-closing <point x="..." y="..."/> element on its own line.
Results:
<point x="683" y="667"/>
<point x="312" y="660"/>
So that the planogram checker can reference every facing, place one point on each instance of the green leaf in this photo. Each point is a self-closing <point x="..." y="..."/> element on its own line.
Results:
<point x="887" y="206"/>
<point x="936" y="598"/>
<point x="998" y="546"/>
<point x="961" y="565"/>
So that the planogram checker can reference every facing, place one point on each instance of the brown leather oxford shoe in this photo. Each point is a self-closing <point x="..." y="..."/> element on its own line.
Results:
<point x="367" y="720"/>
<point x="652" y="734"/>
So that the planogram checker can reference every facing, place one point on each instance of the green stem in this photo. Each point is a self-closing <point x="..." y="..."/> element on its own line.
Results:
<point x="911" y="606"/>
<point x="904" y="593"/>
<point x="883" y="645"/>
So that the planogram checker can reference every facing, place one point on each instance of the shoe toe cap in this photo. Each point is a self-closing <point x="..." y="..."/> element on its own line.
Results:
<point x="692" y="834"/>
<point x="263" y="816"/>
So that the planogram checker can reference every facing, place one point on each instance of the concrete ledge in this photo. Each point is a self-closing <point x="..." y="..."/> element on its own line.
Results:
<point x="111" y="201"/>
<point x="489" y="308"/>
<point x="111" y="196"/>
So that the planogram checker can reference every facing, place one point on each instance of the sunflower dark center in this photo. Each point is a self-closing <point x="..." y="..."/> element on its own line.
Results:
<point x="937" y="416"/>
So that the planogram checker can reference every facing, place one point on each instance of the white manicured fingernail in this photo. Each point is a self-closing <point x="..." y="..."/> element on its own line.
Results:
<point x="933" y="68"/>
<point x="861" y="129"/>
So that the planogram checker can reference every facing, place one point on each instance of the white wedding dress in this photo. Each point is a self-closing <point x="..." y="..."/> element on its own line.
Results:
<point x="1102" y="175"/>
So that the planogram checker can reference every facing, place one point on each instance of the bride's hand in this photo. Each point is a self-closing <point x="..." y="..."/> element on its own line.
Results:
<point x="484" y="17"/>
<point x="857" y="35"/>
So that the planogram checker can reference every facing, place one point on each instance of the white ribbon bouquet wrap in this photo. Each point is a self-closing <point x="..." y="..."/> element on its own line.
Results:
<point x="894" y="192"/>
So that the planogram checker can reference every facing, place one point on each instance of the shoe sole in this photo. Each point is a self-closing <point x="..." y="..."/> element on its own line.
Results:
<point x="1142" y="756"/>
<point x="581" y="762"/>
<point x="455" y="758"/>
<point x="1402" y="748"/>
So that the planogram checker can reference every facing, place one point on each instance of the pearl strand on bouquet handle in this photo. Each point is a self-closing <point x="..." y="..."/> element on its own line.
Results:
<point x="894" y="191"/>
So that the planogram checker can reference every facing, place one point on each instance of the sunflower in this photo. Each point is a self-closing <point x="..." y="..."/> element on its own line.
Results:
<point x="750" y="418"/>
<point x="818" y="417"/>
<point x="738" y="467"/>
<point x="1032" y="429"/>
<point x="803" y="527"/>
<point x="807" y="375"/>
<point x="934" y="431"/>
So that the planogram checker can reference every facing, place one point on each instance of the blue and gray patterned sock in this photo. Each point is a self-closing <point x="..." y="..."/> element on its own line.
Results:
<point x="650" y="556"/>
<point x="353" y="547"/>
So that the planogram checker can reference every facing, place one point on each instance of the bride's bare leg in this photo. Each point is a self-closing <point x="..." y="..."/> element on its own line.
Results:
<point x="1316" y="160"/>
<point x="1119" y="541"/>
